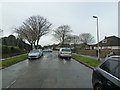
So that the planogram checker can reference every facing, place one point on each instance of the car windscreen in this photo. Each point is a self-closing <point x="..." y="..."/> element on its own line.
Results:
<point x="66" y="50"/>
<point x="34" y="51"/>
<point x="112" y="66"/>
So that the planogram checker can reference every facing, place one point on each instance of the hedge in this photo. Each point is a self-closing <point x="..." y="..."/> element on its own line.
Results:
<point x="8" y="51"/>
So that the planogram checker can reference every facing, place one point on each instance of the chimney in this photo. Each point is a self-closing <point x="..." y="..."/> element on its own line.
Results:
<point x="105" y="37"/>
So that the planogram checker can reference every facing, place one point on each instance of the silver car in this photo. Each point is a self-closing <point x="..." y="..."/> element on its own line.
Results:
<point x="41" y="52"/>
<point x="34" y="54"/>
<point x="65" y="52"/>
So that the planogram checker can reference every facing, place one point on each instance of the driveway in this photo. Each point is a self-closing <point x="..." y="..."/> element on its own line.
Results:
<point x="47" y="72"/>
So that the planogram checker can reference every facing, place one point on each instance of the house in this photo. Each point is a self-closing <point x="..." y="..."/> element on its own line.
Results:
<point x="111" y="42"/>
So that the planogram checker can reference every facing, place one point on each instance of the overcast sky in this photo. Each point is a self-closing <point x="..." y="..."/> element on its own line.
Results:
<point x="76" y="14"/>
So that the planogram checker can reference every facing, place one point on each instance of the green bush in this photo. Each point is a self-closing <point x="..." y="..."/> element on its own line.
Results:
<point x="15" y="49"/>
<point x="8" y="51"/>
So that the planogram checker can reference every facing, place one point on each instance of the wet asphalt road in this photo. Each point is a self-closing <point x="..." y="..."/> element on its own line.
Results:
<point x="47" y="72"/>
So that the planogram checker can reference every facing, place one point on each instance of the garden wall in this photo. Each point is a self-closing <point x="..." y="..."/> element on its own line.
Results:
<point x="103" y="53"/>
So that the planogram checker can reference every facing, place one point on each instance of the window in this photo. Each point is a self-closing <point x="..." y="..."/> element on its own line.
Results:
<point x="112" y="67"/>
<point x="34" y="51"/>
<point x="117" y="72"/>
<point x="104" y="41"/>
<point x="67" y="50"/>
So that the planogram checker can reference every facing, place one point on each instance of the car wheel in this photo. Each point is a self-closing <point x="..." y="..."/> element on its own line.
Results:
<point x="98" y="87"/>
<point x="59" y="56"/>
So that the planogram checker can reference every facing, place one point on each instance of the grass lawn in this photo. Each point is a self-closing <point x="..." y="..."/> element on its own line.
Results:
<point x="8" y="62"/>
<point x="89" y="61"/>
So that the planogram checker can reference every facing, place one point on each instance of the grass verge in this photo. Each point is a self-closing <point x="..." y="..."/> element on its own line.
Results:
<point x="8" y="62"/>
<point x="86" y="60"/>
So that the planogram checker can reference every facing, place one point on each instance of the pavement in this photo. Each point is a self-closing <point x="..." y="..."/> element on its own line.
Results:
<point x="93" y="57"/>
<point x="47" y="72"/>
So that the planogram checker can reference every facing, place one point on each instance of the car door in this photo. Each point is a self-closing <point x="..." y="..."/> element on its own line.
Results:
<point x="110" y="72"/>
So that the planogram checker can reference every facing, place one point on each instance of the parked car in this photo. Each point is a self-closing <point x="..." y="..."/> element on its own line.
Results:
<point x="41" y="52"/>
<point x="65" y="52"/>
<point x="33" y="54"/>
<point x="107" y="75"/>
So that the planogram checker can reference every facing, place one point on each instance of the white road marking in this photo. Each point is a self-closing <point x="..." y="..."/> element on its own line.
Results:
<point x="64" y="61"/>
<point x="11" y="84"/>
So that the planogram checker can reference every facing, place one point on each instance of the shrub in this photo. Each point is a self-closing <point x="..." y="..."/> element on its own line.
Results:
<point x="8" y="51"/>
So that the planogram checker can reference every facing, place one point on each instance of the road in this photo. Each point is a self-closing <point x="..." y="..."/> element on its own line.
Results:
<point x="47" y="72"/>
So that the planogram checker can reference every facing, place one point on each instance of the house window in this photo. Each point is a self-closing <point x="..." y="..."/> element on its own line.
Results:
<point x="104" y="41"/>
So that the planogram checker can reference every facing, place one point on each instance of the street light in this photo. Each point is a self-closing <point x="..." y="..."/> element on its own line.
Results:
<point x="97" y="37"/>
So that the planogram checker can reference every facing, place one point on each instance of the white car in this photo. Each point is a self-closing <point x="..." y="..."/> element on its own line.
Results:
<point x="65" y="52"/>
<point x="34" y="54"/>
<point x="41" y="52"/>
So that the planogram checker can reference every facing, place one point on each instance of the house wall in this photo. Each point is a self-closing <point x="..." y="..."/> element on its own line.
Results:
<point x="111" y="47"/>
<point x="115" y="47"/>
<point x="95" y="48"/>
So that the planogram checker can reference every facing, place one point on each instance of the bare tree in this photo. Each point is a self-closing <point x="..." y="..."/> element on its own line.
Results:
<point x="86" y="38"/>
<point x="26" y="34"/>
<point x="61" y="33"/>
<point x="72" y="39"/>
<point x="33" y="29"/>
<point x="68" y="39"/>
<point x="75" y="39"/>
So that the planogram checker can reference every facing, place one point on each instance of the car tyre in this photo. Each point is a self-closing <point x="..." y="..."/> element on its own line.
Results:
<point x="98" y="87"/>
<point x="59" y="56"/>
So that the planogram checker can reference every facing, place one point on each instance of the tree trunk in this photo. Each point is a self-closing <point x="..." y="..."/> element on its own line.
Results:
<point x="34" y="46"/>
<point x="63" y="41"/>
<point x="31" y="46"/>
<point x="37" y="43"/>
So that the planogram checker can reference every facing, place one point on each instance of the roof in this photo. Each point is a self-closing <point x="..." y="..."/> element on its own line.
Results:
<point x="115" y="56"/>
<point x="110" y="41"/>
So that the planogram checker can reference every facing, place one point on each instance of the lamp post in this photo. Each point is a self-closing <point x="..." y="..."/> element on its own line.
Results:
<point x="97" y="37"/>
